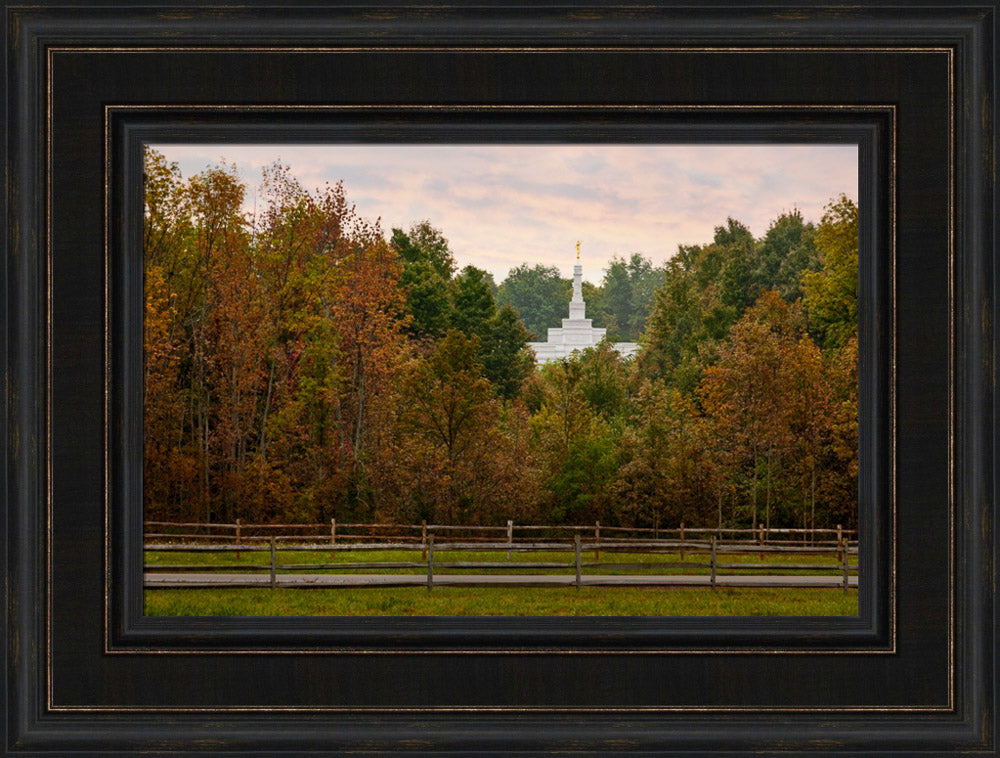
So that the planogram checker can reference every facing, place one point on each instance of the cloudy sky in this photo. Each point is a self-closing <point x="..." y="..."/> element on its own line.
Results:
<point x="503" y="205"/>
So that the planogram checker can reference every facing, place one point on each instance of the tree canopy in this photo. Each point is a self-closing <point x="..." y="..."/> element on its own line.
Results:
<point x="303" y="365"/>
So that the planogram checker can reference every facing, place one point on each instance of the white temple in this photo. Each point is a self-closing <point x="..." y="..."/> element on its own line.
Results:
<point x="577" y="332"/>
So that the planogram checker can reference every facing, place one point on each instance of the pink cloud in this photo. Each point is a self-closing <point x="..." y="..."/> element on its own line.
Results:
<point x="501" y="205"/>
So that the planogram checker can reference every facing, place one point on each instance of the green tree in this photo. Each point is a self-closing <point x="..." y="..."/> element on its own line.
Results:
<point x="575" y="449"/>
<point x="502" y="338"/>
<point x="603" y="382"/>
<point x="538" y="294"/>
<point x="425" y="243"/>
<point x="474" y="305"/>
<point x="506" y="360"/>
<point x="737" y="286"/>
<point x="831" y="294"/>
<point x="676" y="331"/>
<point x="427" y="268"/>
<point x="593" y="296"/>
<point x="627" y="295"/>
<point x="428" y="299"/>
<point x="784" y="254"/>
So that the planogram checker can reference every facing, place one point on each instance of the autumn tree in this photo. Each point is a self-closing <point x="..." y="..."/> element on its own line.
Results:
<point x="669" y="461"/>
<point x="810" y="407"/>
<point x="465" y="467"/>
<point x="219" y="231"/>
<point x="747" y="393"/>
<point x="170" y="473"/>
<point x="269" y="347"/>
<point x="839" y="470"/>
<point x="298" y="366"/>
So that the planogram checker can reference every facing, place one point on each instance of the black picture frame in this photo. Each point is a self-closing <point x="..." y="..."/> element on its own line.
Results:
<point x="87" y="84"/>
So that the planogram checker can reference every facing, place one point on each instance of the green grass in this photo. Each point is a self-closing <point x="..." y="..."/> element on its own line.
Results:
<point x="657" y="563"/>
<point x="503" y="601"/>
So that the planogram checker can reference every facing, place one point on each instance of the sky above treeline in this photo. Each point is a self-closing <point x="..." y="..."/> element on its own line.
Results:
<point x="503" y="205"/>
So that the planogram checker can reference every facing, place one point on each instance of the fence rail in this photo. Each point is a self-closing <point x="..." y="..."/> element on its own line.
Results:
<point x="335" y="530"/>
<point x="702" y="553"/>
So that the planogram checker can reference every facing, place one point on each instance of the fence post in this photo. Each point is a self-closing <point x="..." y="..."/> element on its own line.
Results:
<point x="274" y="564"/>
<point x="430" y="561"/>
<point x="845" y="571"/>
<point x="597" y="540"/>
<point x="510" y="536"/>
<point x="333" y="534"/>
<point x="656" y="526"/>
<point x="760" y="540"/>
<point x="840" y="542"/>
<point x="577" y="540"/>
<point x="423" y="540"/>
<point x="713" y="563"/>
<point x="682" y="540"/>
<point x="238" y="541"/>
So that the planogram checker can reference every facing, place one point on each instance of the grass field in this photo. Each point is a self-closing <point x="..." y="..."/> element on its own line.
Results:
<point x="503" y="601"/>
<point x="656" y="562"/>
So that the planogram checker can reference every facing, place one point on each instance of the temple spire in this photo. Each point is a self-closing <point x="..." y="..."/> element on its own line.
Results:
<point x="577" y="308"/>
<point x="577" y="332"/>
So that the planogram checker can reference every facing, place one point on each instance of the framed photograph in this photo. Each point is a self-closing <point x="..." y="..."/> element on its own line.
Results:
<point x="340" y="418"/>
<point x="450" y="380"/>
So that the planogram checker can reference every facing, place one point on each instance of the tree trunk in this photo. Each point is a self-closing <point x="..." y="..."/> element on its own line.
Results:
<point x="767" y="499"/>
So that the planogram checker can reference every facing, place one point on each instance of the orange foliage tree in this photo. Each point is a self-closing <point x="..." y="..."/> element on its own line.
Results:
<point x="299" y="367"/>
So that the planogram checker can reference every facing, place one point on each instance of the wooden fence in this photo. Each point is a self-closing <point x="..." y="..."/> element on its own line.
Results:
<point x="710" y="545"/>
<point x="240" y="533"/>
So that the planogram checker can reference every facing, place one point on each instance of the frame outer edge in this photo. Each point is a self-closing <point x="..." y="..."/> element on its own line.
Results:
<point x="988" y="715"/>
<point x="26" y="308"/>
<point x="8" y="236"/>
<point x="26" y="388"/>
<point x="975" y="243"/>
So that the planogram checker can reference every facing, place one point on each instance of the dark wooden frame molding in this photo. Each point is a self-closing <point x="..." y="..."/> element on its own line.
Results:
<point x="87" y="84"/>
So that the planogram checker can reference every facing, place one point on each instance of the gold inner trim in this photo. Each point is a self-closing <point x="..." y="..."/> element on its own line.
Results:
<point x="872" y="108"/>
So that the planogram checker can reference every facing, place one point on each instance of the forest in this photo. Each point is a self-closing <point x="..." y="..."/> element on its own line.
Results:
<point x="302" y="364"/>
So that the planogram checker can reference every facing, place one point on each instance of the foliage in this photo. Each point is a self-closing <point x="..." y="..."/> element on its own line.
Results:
<point x="427" y="269"/>
<point x="626" y="295"/>
<point x="538" y="294"/>
<point x="831" y="294"/>
<point x="299" y="366"/>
